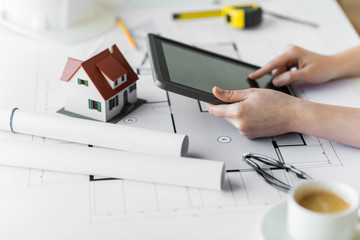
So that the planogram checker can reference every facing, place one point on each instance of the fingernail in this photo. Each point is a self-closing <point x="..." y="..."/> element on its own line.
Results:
<point x="278" y="81"/>
<point x="219" y="90"/>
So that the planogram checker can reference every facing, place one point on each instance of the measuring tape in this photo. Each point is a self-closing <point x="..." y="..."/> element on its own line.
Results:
<point x="237" y="16"/>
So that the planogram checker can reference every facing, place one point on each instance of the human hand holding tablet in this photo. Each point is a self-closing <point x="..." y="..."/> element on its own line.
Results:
<point x="193" y="72"/>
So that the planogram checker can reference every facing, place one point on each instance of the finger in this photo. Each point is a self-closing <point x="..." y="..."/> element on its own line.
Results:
<point x="218" y="110"/>
<point x="278" y="71"/>
<point x="283" y="60"/>
<point x="208" y="106"/>
<point x="289" y="77"/>
<point x="224" y="110"/>
<point x="261" y="72"/>
<point x="229" y="96"/>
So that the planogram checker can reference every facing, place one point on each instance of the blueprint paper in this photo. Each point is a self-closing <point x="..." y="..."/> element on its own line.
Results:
<point x="101" y="134"/>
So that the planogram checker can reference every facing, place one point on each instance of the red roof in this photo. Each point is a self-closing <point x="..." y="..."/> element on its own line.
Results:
<point x="111" y="64"/>
<point x="111" y="68"/>
<point x="72" y="65"/>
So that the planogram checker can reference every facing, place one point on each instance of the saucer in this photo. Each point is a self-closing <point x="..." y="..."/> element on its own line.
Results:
<point x="273" y="224"/>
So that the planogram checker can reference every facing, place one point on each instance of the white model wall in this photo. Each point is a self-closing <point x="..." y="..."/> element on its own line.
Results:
<point x="116" y="109"/>
<point x="77" y="97"/>
<point x="132" y="97"/>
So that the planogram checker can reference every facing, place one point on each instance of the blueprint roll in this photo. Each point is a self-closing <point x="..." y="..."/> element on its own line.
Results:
<point x="80" y="159"/>
<point x="94" y="133"/>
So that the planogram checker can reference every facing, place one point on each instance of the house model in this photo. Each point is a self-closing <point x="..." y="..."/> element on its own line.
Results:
<point x="99" y="87"/>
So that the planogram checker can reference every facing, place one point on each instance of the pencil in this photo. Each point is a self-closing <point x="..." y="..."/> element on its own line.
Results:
<point x="126" y="31"/>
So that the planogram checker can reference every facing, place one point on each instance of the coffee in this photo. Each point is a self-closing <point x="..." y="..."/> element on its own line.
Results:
<point x="324" y="201"/>
<point x="322" y="210"/>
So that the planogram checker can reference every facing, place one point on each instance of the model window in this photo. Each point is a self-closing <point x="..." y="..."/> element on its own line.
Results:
<point x="83" y="82"/>
<point x="111" y="104"/>
<point x="116" y="82"/>
<point x="95" y="105"/>
<point x="132" y="88"/>
<point x="117" y="100"/>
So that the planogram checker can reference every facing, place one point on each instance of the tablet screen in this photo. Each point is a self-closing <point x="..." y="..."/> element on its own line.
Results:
<point x="203" y="71"/>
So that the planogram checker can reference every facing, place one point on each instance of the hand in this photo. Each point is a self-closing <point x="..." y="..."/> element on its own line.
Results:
<point x="310" y="67"/>
<point x="256" y="112"/>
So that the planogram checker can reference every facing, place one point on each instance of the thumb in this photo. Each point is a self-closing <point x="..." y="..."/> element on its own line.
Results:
<point x="228" y="96"/>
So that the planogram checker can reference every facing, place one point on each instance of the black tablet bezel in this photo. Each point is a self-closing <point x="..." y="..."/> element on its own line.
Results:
<point x="162" y="77"/>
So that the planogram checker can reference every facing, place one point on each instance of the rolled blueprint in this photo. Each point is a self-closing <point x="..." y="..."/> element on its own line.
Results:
<point x="76" y="158"/>
<point x="94" y="133"/>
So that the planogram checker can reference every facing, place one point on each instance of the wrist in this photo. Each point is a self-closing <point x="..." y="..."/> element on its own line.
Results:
<point x="337" y="68"/>
<point x="346" y="63"/>
<point x="337" y="65"/>
<point x="304" y="111"/>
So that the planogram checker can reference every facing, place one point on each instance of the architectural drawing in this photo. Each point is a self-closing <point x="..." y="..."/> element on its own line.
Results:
<point x="56" y="205"/>
<point x="116" y="199"/>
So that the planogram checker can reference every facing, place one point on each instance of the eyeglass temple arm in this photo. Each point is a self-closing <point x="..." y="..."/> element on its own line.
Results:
<point x="298" y="172"/>
<point x="275" y="183"/>
<point x="273" y="162"/>
<point x="263" y="174"/>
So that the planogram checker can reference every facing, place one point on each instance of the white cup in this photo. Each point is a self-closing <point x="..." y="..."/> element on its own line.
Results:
<point x="305" y="224"/>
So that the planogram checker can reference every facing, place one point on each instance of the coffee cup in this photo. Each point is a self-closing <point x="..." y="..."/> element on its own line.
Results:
<point x="321" y="210"/>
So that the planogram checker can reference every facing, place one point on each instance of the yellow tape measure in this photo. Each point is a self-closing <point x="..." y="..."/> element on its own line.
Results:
<point x="237" y="16"/>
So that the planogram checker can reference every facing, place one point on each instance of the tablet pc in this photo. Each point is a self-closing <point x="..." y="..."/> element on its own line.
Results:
<point x="193" y="72"/>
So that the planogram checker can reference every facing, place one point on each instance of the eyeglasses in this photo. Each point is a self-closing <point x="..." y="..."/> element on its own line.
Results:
<point x="250" y="159"/>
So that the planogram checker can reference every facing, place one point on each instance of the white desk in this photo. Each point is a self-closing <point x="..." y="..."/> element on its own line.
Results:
<point x="336" y="29"/>
<point x="34" y="204"/>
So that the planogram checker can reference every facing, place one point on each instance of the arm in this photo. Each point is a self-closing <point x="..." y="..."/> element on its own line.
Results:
<point x="336" y="123"/>
<point x="348" y="62"/>
<point x="263" y="112"/>
<point x="310" y="67"/>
